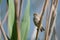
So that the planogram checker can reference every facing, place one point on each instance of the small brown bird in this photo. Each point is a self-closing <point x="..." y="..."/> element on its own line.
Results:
<point x="36" y="20"/>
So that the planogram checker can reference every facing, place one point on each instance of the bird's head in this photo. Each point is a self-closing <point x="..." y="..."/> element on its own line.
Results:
<point x="35" y="14"/>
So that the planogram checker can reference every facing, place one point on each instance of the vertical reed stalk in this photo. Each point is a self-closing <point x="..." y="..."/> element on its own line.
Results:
<point x="41" y="16"/>
<point x="51" y="19"/>
<point x="18" y="4"/>
<point x="1" y="25"/>
<point x="3" y="32"/>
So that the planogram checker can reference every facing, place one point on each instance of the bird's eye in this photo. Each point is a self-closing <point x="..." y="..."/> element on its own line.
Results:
<point x="34" y="14"/>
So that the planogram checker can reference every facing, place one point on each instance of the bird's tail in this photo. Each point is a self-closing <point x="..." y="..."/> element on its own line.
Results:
<point x="42" y="29"/>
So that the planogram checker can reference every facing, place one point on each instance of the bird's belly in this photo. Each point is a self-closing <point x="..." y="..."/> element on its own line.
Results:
<point x="36" y="23"/>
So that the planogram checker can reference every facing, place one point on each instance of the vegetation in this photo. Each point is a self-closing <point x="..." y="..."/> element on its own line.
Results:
<point x="18" y="29"/>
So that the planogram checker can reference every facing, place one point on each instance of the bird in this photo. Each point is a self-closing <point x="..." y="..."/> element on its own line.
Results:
<point x="36" y="19"/>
